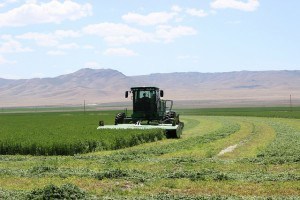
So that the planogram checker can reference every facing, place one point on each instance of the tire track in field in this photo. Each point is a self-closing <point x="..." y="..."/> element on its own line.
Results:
<point x="259" y="137"/>
<point x="211" y="149"/>
<point x="227" y="150"/>
<point x="247" y="138"/>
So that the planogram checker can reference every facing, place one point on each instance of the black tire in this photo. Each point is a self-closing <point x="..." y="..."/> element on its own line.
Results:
<point x="119" y="118"/>
<point x="181" y="124"/>
<point x="171" y="114"/>
<point x="169" y="117"/>
<point x="171" y="134"/>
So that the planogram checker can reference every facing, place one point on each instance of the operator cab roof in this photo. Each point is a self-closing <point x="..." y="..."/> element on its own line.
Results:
<point x="145" y="88"/>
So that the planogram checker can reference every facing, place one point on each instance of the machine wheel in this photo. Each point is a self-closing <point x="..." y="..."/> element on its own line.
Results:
<point x="181" y="124"/>
<point x="119" y="118"/>
<point x="171" y="134"/>
<point x="169" y="117"/>
<point x="167" y="120"/>
<point x="171" y="114"/>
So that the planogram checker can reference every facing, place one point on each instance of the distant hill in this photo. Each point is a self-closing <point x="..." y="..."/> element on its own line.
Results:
<point x="107" y="85"/>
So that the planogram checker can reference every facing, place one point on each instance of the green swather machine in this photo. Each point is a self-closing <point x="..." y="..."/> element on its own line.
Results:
<point x="149" y="111"/>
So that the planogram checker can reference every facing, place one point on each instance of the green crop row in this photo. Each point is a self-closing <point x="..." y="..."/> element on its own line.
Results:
<point x="65" y="134"/>
<point x="70" y="191"/>
<point x="108" y="140"/>
<point x="286" y="146"/>
<point x="204" y="174"/>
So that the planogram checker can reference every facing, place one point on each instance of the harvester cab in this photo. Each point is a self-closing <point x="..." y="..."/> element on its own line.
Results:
<point x="147" y="105"/>
<point x="149" y="110"/>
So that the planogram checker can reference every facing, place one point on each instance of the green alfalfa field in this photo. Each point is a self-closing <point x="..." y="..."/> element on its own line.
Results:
<point x="234" y="153"/>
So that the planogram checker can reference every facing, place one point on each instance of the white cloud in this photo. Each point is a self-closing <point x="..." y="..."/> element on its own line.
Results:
<point x="41" y="39"/>
<point x="121" y="34"/>
<point x="49" y="39"/>
<point x="12" y="46"/>
<point x="56" y="53"/>
<point x="50" y="12"/>
<point x="6" y="2"/>
<point x="88" y="46"/>
<point x="5" y="61"/>
<point x="66" y="33"/>
<point x="176" y="8"/>
<point x="169" y="33"/>
<point x="119" y="52"/>
<point x="68" y="46"/>
<point x="6" y="37"/>
<point x="250" y="5"/>
<point x="150" y="19"/>
<point x="2" y="60"/>
<point x="195" y="12"/>
<point x="118" y="34"/>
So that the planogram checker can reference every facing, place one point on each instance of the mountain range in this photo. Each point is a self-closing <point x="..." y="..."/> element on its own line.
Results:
<point x="98" y="86"/>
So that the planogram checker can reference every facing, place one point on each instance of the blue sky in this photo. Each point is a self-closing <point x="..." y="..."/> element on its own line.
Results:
<point x="50" y="38"/>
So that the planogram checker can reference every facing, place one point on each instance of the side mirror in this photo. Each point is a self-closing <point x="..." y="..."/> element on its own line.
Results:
<point x="126" y="94"/>
<point x="161" y="93"/>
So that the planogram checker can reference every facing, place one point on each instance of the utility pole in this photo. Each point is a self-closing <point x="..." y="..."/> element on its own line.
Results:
<point x="84" y="106"/>
<point x="291" y="107"/>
